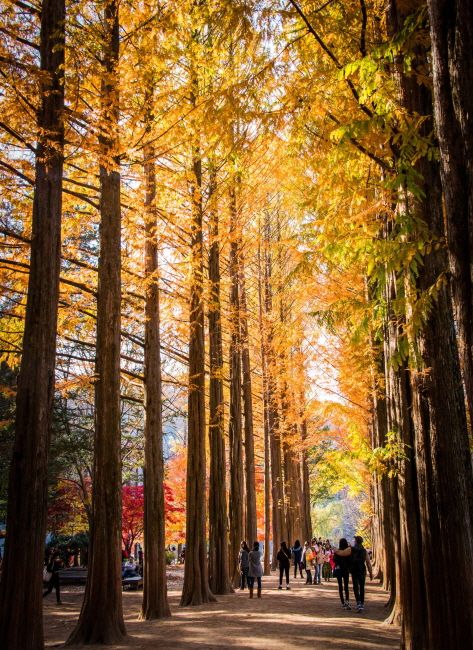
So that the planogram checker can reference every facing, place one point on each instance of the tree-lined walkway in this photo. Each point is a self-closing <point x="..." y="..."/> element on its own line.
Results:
<point x="305" y="617"/>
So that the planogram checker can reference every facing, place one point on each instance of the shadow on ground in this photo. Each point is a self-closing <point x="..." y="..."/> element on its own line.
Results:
<point x="305" y="617"/>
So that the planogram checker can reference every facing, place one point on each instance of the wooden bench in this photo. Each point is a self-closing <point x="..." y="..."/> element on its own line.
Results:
<point x="134" y="582"/>
<point x="76" y="575"/>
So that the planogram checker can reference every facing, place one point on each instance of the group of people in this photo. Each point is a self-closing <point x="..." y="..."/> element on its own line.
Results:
<point x="250" y="567"/>
<point x="318" y="557"/>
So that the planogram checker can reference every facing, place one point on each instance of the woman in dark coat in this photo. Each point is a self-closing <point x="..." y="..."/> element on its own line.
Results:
<point x="342" y="572"/>
<point x="284" y="558"/>
<point x="297" y="555"/>
<point x="244" y="564"/>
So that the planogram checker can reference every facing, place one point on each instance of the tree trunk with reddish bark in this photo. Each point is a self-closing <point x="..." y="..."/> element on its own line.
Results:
<point x="21" y="620"/>
<point x="101" y="617"/>
<point x="218" y="516"/>
<point x="451" y="30"/>
<point x="235" y="423"/>
<point x="251" y="523"/>
<point x="196" y="590"/>
<point x="155" y="601"/>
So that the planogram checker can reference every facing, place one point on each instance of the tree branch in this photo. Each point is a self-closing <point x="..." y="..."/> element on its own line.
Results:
<point x="332" y="56"/>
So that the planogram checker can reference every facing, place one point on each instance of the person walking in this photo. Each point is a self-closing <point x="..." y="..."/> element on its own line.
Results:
<point x="327" y="565"/>
<point x="341" y="572"/>
<point x="319" y="563"/>
<point x="244" y="564"/>
<point x="284" y="559"/>
<point x="255" y="569"/>
<point x="297" y="555"/>
<point x="53" y="566"/>
<point x="307" y="562"/>
<point x="359" y="562"/>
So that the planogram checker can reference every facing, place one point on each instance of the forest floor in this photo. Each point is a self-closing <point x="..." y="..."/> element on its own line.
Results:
<point x="305" y="617"/>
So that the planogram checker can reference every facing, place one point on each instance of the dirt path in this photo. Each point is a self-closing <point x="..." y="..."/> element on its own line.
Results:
<point x="305" y="617"/>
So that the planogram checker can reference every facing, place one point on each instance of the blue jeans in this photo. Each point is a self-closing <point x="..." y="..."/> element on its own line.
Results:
<point x="251" y="581"/>
<point x="318" y="572"/>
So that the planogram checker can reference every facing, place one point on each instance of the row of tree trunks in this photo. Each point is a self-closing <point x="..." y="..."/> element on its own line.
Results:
<point x="451" y="30"/>
<point x="426" y="408"/>
<point x="101" y="617"/>
<point x="21" y="620"/>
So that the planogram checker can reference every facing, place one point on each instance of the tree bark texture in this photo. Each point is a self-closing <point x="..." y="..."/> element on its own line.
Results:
<point x="264" y="369"/>
<point x="277" y="493"/>
<point x="306" y="510"/>
<point x="155" y="601"/>
<point x="196" y="588"/>
<point x="21" y="621"/>
<point x="235" y="423"/>
<point x="440" y="431"/>
<point x="101" y="617"/>
<point x="218" y="516"/>
<point x="451" y="29"/>
<point x="409" y="604"/>
<point x="251" y="521"/>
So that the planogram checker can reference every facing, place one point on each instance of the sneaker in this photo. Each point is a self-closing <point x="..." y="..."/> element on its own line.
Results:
<point x="280" y="587"/>
<point x="288" y="588"/>
<point x="347" y="605"/>
<point x="362" y="607"/>
<point x="359" y="607"/>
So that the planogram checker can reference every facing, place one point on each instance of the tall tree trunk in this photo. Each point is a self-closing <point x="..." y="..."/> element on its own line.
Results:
<point x="218" y="522"/>
<point x="383" y="543"/>
<point x="451" y="29"/>
<point x="306" y="510"/>
<point x="273" y="413"/>
<point x="409" y="597"/>
<point x="264" y="372"/>
<point x="442" y="455"/>
<point x="251" y="522"/>
<point x="155" y="601"/>
<point x="196" y="588"/>
<point x="21" y="621"/>
<point x="235" y="425"/>
<point x="101" y="617"/>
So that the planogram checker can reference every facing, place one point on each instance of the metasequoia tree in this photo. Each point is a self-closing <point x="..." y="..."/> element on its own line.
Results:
<point x="155" y="603"/>
<point x="196" y="585"/>
<point x="265" y="399"/>
<point x="451" y="30"/>
<point x="442" y="454"/>
<point x="236" y="496"/>
<point x="101" y="617"/>
<point x="250" y="521"/>
<point x="218" y="546"/>
<point x="21" y="581"/>
<point x="419" y="350"/>
<point x="271" y="401"/>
